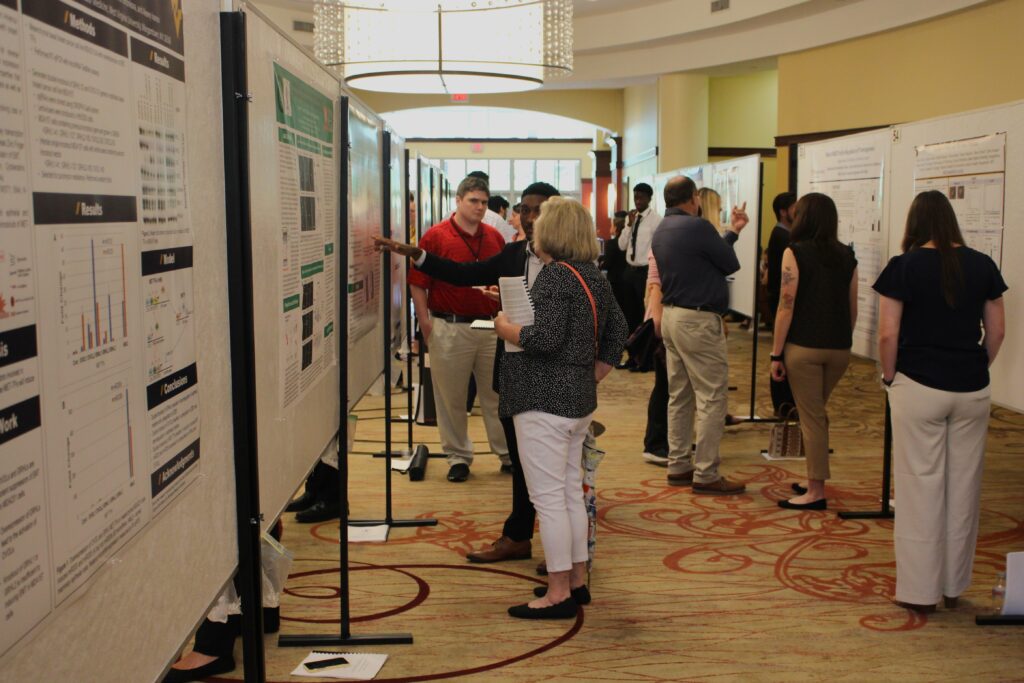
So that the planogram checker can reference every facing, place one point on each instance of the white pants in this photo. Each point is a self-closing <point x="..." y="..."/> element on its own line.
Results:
<point x="550" y="449"/>
<point x="456" y="351"/>
<point x="938" y="453"/>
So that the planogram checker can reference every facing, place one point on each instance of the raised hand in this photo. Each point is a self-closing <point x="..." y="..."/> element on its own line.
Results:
<point x="739" y="218"/>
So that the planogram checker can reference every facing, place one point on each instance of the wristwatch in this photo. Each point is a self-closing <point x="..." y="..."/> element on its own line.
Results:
<point x="775" y="358"/>
<point x="887" y="383"/>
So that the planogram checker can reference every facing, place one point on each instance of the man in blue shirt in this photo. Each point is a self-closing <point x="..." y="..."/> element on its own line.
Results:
<point x="693" y="262"/>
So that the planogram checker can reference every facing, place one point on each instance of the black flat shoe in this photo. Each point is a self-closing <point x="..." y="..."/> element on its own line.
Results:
<point x="304" y="501"/>
<point x="581" y="595"/>
<point x="320" y="511"/>
<point x="221" y="665"/>
<point x="800" y="490"/>
<point x="458" y="472"/>
<point x="820" y="504"/>
<point x="566" y="609"/>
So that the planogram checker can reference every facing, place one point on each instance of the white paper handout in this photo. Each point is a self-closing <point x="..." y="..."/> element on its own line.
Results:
<point x="368" y="534"/>
<point x="517" y="305"/>
<point x="358" y="666"/>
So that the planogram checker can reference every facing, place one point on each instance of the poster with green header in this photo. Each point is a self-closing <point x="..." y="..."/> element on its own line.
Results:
<point x="308" y="187"/>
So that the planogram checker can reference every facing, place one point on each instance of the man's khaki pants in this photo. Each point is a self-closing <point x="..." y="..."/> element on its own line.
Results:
<point x="456" y="351"/>
<point x="698" y="379"/>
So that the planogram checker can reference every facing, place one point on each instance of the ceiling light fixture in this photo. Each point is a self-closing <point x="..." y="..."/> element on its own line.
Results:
<point x="445" y="46"/>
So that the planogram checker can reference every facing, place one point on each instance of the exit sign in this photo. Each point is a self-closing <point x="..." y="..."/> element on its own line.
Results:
<point x="460" y="97"/>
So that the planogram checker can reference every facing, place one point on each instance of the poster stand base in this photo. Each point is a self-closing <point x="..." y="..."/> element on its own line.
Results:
<point x="999" y="620"/>
<point x="886" y="510"/>
<point x="338" y="641"/>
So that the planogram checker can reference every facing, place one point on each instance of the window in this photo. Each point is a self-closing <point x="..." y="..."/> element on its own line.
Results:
<point x="508" y="178"/>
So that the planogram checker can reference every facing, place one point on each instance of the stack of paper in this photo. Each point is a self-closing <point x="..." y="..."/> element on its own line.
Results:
<point x="358" y="666"/>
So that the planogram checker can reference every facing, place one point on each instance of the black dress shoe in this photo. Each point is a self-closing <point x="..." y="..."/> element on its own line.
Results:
<point x="581" y="595"/>
<point x="820" y="504"/>
<point x="302" y="502"/>
<point x="271" y="619"/>
<point x="506" y="469"/>
<point x="221" y="665"/>
<point x="567" y="609"/>
<point x="800" y="490"/>
<point x="458" y="472"/>
<point x="320" y="511"/>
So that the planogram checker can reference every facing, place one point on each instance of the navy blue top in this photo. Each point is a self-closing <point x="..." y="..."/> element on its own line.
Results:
<point x="940" y="346"/>
<point x="693" y="261"/>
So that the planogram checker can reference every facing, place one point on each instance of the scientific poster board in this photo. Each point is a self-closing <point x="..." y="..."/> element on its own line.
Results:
<point x="982" y="152"/>
<point x="737" y="181"/>
<point x="112" y="214"/>
<point x="294" y="157"/>
<point x="852" y="170"/>
<point x="366" y="206"/>
<point x="398" y="203"/>
<point x="425" y="198"/>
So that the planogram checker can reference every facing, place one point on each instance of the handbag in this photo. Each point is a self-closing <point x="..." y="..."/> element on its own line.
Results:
<point x="643" y="344"/>
<point x="785" y="440"/>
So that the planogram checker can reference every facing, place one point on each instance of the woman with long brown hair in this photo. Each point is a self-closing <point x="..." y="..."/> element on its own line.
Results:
<point x="941" y="323"/>
<point x="814" y="331"/>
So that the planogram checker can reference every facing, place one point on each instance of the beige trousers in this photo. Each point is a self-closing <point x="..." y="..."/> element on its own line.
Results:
<point x="698" y="379"/>
<point x="938" y="454"/>
<point x="813" y="374"/>
<point x="456" y="351"/>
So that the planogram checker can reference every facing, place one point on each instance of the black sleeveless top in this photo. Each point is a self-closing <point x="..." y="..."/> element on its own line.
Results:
<point x="821" y="313"/>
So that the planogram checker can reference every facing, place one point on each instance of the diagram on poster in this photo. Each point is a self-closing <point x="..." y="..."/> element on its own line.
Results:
<point x="99" y="419"/>
<point x="307" y="182"/>
<point x="851" y="171"/>
<point x="972" y="174"/>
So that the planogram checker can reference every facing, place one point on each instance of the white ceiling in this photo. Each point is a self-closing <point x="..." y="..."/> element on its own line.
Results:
<point x="623" y="42"/>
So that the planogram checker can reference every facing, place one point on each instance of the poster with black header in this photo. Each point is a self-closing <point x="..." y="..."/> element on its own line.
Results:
<point x="306" y="179"/>
<point x="99" y="412"/>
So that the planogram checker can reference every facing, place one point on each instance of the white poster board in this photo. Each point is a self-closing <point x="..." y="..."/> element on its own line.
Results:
<point x="983" y="152"/>
<point x="852" y="170"/>
<point x="108" y="162"/>
<point x="293" y="120"/>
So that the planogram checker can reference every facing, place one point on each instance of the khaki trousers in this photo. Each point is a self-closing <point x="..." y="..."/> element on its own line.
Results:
<point x="456" y="351"/>
<point x="938" y="440"/>
<point x="698" y="379"/>
<point x="813" y="374"/>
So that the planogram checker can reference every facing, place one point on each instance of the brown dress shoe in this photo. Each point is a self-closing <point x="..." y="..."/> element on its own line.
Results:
<point x="722" y="487"/>
<point x="502" y="549"/>
<point x="684" y="479"/>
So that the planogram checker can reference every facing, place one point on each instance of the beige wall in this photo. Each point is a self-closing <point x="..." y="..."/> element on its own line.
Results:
<point x="507" y="150"/>
<point x="964" y="61"/>
<point x="682" y="120"/>
<point x="602" y="108"/>
<point x="640" y="120"/>
<point x="743" y="110"/>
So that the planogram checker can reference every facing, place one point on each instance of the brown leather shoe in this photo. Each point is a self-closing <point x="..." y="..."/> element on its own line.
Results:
<point x="722" y="487"/>
<point x="684" y="479"/>
<point x="502" y="549"/>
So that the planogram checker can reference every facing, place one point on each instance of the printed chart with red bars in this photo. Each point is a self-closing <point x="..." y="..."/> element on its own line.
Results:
<point x="93" y="301"/>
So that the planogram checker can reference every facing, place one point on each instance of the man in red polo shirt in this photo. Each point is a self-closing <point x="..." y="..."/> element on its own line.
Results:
<point x="445" y="313"/>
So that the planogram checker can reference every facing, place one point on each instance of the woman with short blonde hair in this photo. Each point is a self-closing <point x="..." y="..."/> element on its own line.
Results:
<point x="565" y="231"/>
<point x="549" y="389"/>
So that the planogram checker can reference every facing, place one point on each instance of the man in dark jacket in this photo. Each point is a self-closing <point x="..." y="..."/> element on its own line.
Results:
<point x="784" y="206"/>
<point x="515" y="260"/>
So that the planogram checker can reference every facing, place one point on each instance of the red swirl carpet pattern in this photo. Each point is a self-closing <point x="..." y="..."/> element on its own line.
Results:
<point x="686" y="588"/>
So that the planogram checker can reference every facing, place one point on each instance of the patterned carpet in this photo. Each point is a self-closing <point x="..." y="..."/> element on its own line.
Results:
<point x="686" y="588"/>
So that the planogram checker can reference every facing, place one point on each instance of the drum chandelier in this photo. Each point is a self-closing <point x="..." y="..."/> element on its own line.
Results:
<point x="445" y="46"/>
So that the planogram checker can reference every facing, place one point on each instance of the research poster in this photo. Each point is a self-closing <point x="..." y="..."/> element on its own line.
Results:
<point x="99" y="414"/>
<point x="307" y="182"/>
<point x="972" y="174"/>
<point x="851" y="171"/>
<point x="365" y="214"/>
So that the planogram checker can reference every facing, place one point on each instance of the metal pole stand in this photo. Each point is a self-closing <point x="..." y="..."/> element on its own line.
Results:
<point x="886" y="509"/>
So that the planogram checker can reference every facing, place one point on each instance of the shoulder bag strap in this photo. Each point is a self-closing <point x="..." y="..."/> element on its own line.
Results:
<point x="593" y="306"/>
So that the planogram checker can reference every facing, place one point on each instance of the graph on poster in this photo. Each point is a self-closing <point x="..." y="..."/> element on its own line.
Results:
<point x="169" y="325"/>
<point x="92" y="300"/>
<point x="100" y="448"/>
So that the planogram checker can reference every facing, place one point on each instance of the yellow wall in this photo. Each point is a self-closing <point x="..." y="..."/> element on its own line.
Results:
<point x="682" y="120"/>
<point x="640" y="120"/>
<point x="963" y="61"/>
<point x="508" y="150"/>
<point x="603" y="108"/>
<point x="743" y="110"/>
